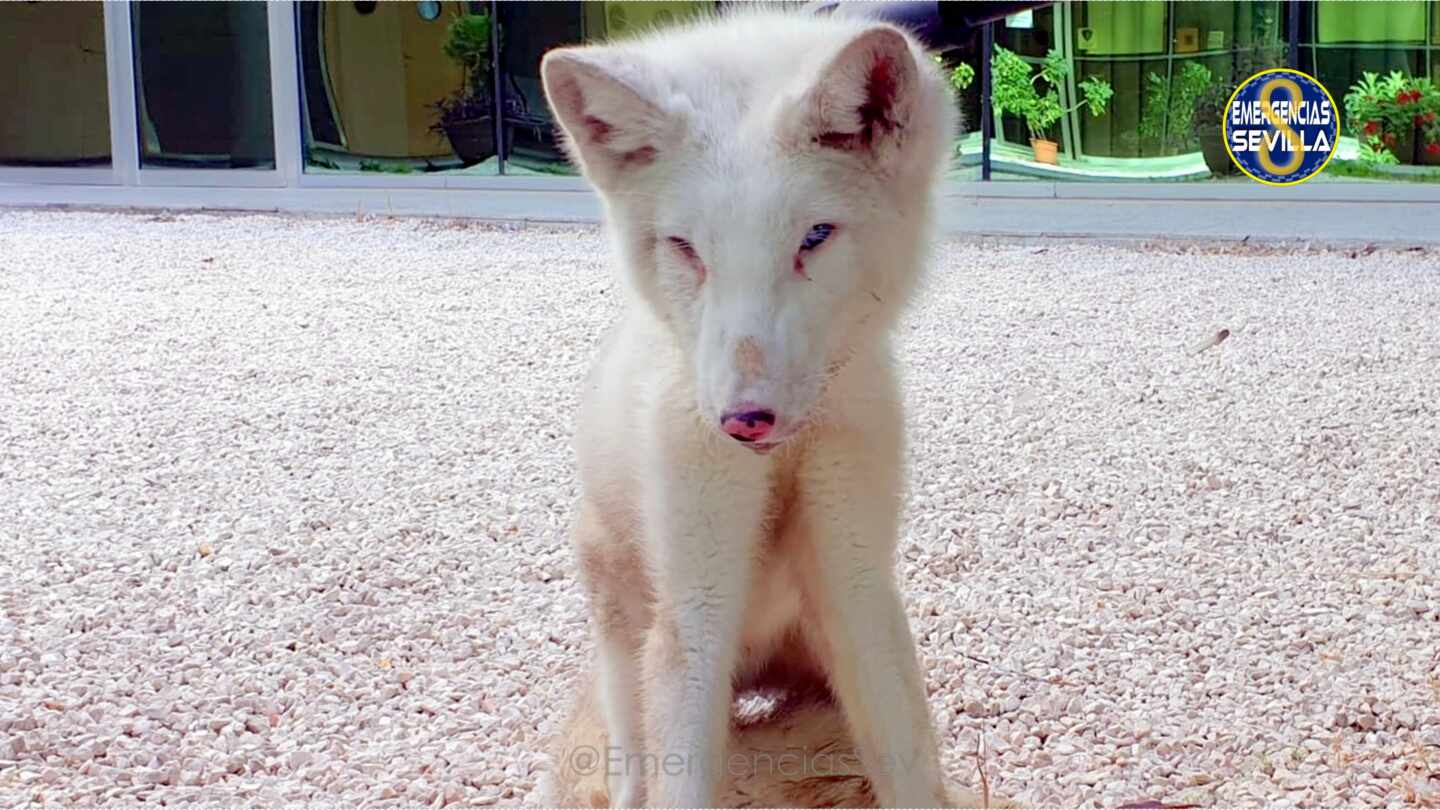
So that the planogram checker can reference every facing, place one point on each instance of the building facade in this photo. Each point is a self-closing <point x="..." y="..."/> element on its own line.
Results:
<point x="446" y="95"/>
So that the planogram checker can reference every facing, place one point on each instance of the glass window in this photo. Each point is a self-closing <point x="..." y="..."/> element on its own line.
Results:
<point x="375" y="75"/>
<point x="1210" y="27"/>
<point x="1203" y="26"/>
<point x="1338" y="68"/>
<point x="203" y="84"/>
<point x="54" y="95"/>
<point x="1119" y="27"/>
<point x="1152" y="113"/>
<point x="1380" y="21"/>
<point x="962" y="71"/>
<point x="1118" y="133"/>
<point x="1029" y="33"/>
<point x="398" y="88"/>
<point x="1259" y="24"/>
<point x="531" y="29"/>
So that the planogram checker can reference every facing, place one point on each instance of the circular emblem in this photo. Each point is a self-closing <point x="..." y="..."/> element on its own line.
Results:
<point x="1281" y="127"/>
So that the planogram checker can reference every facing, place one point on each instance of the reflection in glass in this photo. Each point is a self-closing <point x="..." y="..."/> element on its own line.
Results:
<point x="1124" y="131"/>
<point x="1340" y="46"/>
<point x="1119" y="28"/>
<point x="1028" y="34"/>
<point x="1339" y="68"/>
<point x="56" y="106"/>
<point x="372" y="81"/>
<point x="1153" y="112"/>
<point x="203" y="84"/>
<point x="1388" y="22"/>
<point x="528" y="132"/>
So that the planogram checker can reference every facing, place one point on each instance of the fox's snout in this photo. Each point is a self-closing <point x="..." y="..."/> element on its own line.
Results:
<point x="749" y="424"/>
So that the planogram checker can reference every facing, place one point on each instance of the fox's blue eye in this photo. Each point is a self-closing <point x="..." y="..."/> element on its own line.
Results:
<point x="817" y="236"/>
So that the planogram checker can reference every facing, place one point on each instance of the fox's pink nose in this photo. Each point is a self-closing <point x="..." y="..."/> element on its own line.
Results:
<point x="748" y="426"/>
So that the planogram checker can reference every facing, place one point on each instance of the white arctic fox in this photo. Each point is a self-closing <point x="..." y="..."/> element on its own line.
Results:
<point x="769" y="182"/>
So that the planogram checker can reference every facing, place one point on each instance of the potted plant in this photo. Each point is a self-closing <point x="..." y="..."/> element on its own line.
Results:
<point x="1017" y="92"/>
<point x="1209" y="121"/>
<point x="1386" y="113"/>
<point x="1170" y="107"/>
<point x="960" y="77"/>
<point x="1208" y="118"/>
<point x="466" y="116"/>
<point x="1427" y="122"/>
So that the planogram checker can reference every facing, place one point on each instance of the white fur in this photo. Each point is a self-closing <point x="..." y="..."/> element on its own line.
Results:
<point x="702" y="558"/>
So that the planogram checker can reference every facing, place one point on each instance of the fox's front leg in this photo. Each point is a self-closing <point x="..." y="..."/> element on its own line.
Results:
<point x="850" y="503"/>
<point x="704" y="511"/>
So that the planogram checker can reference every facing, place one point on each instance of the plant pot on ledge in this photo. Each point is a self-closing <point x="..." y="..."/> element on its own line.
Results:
<point x="1212" y="148"/>
<point x="1427" y="139"/>
<point x="1045" y="151"/>
<point x="1014" y="90"/>
<point x="473" y="139"/>
<point x="467" y="117"/>
<point x="1402" y="146"/>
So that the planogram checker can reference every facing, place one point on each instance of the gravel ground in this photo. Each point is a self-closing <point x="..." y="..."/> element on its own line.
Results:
<point x="282" y="510"/>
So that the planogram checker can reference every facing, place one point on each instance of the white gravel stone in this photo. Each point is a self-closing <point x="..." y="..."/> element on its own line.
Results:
<point x="283" y="506"/>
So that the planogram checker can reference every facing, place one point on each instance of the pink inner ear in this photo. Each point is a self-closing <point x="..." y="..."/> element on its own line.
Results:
<point x="601" y="133"/>
<point x="875" y="112"/>
<point x="596" y="130"/>
<point x="880" y="91"/>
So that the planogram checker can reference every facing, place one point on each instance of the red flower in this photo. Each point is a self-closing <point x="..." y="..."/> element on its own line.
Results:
<point x="1433" y="148"/>
<point x="1430" y="116"/>
<point x="1389" y="139"/>
<point x="1372" y="127"/>
<point x="1419" y="119"/>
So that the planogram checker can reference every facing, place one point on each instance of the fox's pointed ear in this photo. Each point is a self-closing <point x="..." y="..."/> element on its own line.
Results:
<point x="863" y="98"/>
<point x="611" y="127"/>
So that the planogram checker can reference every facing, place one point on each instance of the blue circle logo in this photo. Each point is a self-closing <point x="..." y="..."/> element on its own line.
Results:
<point x="1281" y="127"/>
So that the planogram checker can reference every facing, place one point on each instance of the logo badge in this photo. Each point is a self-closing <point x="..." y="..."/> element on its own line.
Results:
<point x="1281" y="127"/>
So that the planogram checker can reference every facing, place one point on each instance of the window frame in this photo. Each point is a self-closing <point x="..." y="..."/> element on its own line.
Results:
<point x="114" y="174"/>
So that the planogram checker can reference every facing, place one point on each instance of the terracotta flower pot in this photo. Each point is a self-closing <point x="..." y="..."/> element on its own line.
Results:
<point x="1045" y="151"/>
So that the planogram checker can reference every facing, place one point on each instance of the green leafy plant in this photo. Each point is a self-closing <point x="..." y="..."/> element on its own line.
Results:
<point x="962" y="76"/>
<point x="1170" y="105"/>
<point x="1208" y="112"/>
<point x="1373" y="151"/>
<point x="385" y="168"/>
<point x="1373" y="171"/>
<point x="959" y="78"/>
<point x="467" y="44"/>
<point x="1427" y="115"/>
<point x="1210" y="102"/>
<point x="1384" y="111"/>
<point x="1018" y="92"/>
